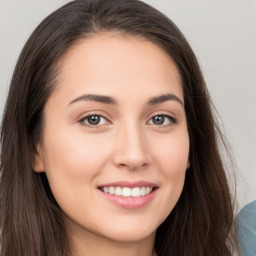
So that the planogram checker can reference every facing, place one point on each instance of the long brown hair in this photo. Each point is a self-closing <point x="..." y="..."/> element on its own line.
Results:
<point x="31" y="221"/>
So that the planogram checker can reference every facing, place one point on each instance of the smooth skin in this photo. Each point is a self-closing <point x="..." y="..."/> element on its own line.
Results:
<point x="133" y="135"/>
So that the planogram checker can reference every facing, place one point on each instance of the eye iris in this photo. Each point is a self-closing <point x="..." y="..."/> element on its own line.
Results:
<point x="93" y="120"/>
<point x="158" y="120"/>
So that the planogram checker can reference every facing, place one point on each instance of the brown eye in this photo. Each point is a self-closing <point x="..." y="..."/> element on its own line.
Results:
<point x="93" y="120"/>
<point x="162" y="120"/>
<point x="158" y="120"/>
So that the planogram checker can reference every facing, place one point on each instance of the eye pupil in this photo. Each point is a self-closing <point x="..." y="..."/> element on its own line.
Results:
<point x="158" y="120"/>
<point x="93" y="120"/>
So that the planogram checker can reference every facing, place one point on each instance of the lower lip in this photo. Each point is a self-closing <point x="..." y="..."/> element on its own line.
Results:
<point x="130" y="202"/>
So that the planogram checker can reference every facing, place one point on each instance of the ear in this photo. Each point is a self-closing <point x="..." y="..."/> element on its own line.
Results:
<point x="38" y="165"/>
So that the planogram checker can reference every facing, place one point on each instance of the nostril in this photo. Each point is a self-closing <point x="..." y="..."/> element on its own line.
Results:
<point x="131" y="163"/>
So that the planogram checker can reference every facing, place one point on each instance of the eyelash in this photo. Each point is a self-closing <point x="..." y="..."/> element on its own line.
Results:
<point x="172" y="120"/>
<point x="82" y="121"/>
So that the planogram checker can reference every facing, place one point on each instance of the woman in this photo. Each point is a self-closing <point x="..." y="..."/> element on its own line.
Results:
<point x="108" y="139"/>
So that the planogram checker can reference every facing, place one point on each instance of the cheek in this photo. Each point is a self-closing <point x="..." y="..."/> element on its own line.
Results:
<point x="71" y="165"/>
<point x="172" y="152"/>
<point x="66" y="150"/>
<point x="171" y="155"/>
<point x="72" y="162"/>
<point x="173" y="166"/>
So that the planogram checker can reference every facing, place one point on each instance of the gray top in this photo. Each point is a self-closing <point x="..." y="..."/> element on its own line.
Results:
<point x="246" y="223"/>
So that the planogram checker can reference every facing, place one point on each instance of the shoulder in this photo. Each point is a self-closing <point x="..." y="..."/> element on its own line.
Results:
<point x="246" y="225"/>
<point x="248" y="210"/>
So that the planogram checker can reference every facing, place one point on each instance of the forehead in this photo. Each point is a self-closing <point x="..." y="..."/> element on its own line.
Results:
<point x="113" y="63"/>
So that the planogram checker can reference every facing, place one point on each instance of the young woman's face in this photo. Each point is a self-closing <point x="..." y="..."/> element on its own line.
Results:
<point x="115" y="143"/>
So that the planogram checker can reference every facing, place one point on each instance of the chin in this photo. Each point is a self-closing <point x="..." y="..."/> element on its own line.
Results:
<point x="131" y="236"/>
<point x="130" y="233"/>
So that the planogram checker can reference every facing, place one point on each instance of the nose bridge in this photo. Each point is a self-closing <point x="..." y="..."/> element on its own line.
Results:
<point x="131" y="150"/>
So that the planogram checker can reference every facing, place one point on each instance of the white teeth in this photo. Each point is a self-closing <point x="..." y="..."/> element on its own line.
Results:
<point x="105" y="189"/>
<point x="111" y="190"/>
<point x="143" y="191"/>
<point x="135" y="192"/>
<point x="118" y="191"/>
<point x="127" y="192"/>
<point x="147" y="190"/>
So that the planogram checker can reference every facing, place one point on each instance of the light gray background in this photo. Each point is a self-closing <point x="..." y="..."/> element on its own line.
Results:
<point x="223" y="36"/>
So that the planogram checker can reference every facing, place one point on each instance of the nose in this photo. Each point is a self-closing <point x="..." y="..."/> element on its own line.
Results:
<point x="131" y="151"/>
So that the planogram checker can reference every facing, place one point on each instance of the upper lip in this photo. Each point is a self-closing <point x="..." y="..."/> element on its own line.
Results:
<point x="129" y="184"/>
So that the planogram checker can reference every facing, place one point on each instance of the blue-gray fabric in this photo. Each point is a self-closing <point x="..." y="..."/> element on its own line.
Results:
<point x="246" y="224"/>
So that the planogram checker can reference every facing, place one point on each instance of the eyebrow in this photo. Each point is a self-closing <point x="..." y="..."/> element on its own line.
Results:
<point x="94" y="97"/>
<point x="109" y="100"/>
<point x="163" y="98"/>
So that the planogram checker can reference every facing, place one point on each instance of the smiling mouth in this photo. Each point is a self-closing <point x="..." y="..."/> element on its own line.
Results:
<point x="127" y="191"/>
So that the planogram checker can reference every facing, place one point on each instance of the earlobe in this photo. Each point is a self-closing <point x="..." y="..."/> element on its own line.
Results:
<point x="38" y="165"/>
